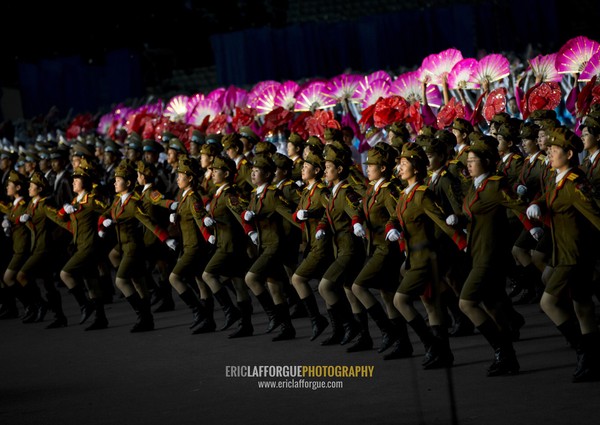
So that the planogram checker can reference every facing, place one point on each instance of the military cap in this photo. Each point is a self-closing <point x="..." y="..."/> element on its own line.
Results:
<point x="133" y="137"/>
<point x="232" y="141"/>
<point x="529" y="131"/>
<point x="17" y="178"/>
<point x="99" y="143"/>
<point x="146" y="169"/>
<point x="475" y="136"/>
<point x="437" y="146"/>
<point x="591" y="121"/>
<point x="315" y="143"/>
<point x="79" y="149"/>
<point x="264" y="162"/>
<point x="177" y="145"/>
<point x="31" y="157"/>
<point x="378" y="156"/>
<point x="548" y="124"/>
<point x="211" y="149"/>
<point x="509" y="131"/>
<point x="134" y="144"/>
<point x="423" y="139"/>
<point x="414" y="151"/>
<point x="189" y="166"/>
<point x="315" y="160"/>
<point x="330" y="134"/>
<point x="446" y="137"/>
<point x="6" y="154"/>
<point x="542" y="114"/>
<point x="486" y="147"/>
<point x="111" y="146"/>
<point x="333" y="153"/>
<point x="39" y="180"/>
<point x="296" y="140"/>
<point x="197" y="137"/>
<point x="399" y="130"/>
<point x="213" y="138"/>
<point x="500" y="118"/>
<point x="151" y="145"/>
<point x="166" y="137"/>
<point x="126" y="170"/>
<point x="44" y="153"/>
<point x="566" y="139"/>
<point x="59" y="153"/>
<point x="225" y="164"/>
<point x="81" y="172"/>
<point x="462" y="125"/>
<point x="249" y="134"/>
<point x="265" y="148"/>
<point x="427" y="130"/>
<point x="282" y="161"/>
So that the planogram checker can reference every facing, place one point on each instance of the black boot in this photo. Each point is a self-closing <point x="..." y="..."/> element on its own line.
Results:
<point x="55" y="304"/>
<point x="364" y="341"/>
<point x="191" y="300"/>
<point x="266" y="302"/>
<point x="424" y="333"/>
<point x="232" y="314"/>
<point x="317" y="320"/>
<point x="297" y="307"/>
<point x="166" y="298"/>
<point x="402" y="347"/>
<point x="388" y="335"/>
<point x="505" y="360"/>
<point x="461" y="324"/>
<point x="100" y="320"/>
<point x="287" y="329"/>
<point x="9" y="308"/>
<point x="336" y="325"/>
<point x="142" y="307"/>
<point x="27" y="295"/>
<point x="245" y="328"/>
<point x="349" y="323"/>
<point x="572" y="332"/>
<point x="532" y="279"/>
<point x="208" y="324"/>
<point x="439" y="354"/>
<point x="588" y="359"/>
<point x="39" y="304"/>
<point x="85" y="305"/>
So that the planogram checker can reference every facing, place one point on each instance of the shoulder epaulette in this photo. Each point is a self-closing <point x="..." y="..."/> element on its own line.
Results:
<point x="155" y="195"/>
<point x="272" y="187"/>
<point x="495" y="177"/>
<point x="453" y="161"/>
<point x="572" y="176"/>
<point x="541" y="157"/>
<point x="422" y="188"/>
<point x="516" y="156"/>
<point x="386" y="184"/>
<point x="321" y="185"/>
<point x="345" y="185"/>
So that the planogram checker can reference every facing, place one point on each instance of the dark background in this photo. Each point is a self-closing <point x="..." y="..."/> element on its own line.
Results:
<point x="87" y="56"/>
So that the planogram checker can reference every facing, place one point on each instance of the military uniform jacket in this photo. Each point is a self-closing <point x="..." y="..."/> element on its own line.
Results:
<point x="154" y="203"/>
<point x="313" y="199"/>
<point x="342" y="211"/>
<point x="358" y="180"/>
<point x="419" y="215"/>
<point x="592" y="173"/>
<point x="547" y="177"/>
<point x="511" y="169"/>
<point x="379" y="212"/>
<point x="458" y="168"/>
<point x="242" y="179"/>
<point x="39" y="226"/>
<point x="226" y="209"/>
<point x="448" y="192"/>
<point x="270" y="209"/>
<point x="126" y="217"/>
<point x="291" y="193"/>
<point x="20" y="234"/>
<point x="530" y="176"/>
<point x="570" y="211"/>
<point x="83" y="223"/>
<point x="297" y="169"/>
<point x="63" y="190"/>
<point x="190" y="213"/>
<point x="487" y="228"/>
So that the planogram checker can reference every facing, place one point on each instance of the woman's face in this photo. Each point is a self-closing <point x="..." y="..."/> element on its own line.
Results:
<point x="407" y="171"/>
<point x="542" y="140"/>
<point x="78" y="185"/>
<point x="121" y="185"/>
<point x="259" y="176"/>
<point x="559" y="159"/>
<point x="590" y="142"/>
<point x="219" y="176"/>
<point x="530" y="146"/>
<point x="332" y="173"/>
<point x="436" y="161"/>
<point x="292" y="150"/>
<point x="184" y="181"/>
<point x="34" y="190"/>
<point x="308" y="172"/>
<point x="205" y="161"/>
<point x="11" y="189"/>
<point x="503" y="145"/>
<point x="374" y="172"/>
<point x="475" y="165"/>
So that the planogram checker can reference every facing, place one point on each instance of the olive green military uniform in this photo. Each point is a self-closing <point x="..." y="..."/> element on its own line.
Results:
<point x="297" y="169"/>
<point x="458" y="167"/>
<point x="242" y="179"/>
<point x="41" y="238"/>
<point x="511" y="169"/>
<point x="20" y="234"/>
<point x="293" y="234"/>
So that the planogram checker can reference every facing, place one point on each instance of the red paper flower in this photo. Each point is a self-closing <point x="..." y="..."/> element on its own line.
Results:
<point x="545" y="95"/>
<point x="585" y="98"/>
<point x="495" y="103"/>
<point x="242" y="117"/>
<point x="390" y="110"/>
<point x="319" y="121"/>
<point x="298" y="125"/>
<point x="449" y="112"/>
<point x="218" y="125"/>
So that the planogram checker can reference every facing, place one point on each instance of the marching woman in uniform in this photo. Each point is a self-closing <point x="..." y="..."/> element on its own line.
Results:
<point x="318" y="253"/>
<point x="572" y="212"/>
<point x="230" y="260"/>
<point x="38" y="264"/>
<point x="483" y="297"/>
<point x="80" y="217"/>
<point x="266" y="211"/>
<point x="419" y="215"/>
<point x="381" y="270"/>
<point x="127" y="256"/>
<point x="195" y="251"/>
<point x="342" y="222"/>
<point x="12" y="226"/>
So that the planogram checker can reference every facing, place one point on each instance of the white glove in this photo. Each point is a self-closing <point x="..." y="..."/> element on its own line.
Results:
<point x="254" y="237"/>
<point x="302" y="215"/>
<point x="212" y="239"/>
<point x="207" y="207"/>
<point x="248" y="215"/>
<point x="173" y="218"/>
<point x="174" y="206"/>
<point x="107" y="222"/>
<point x="69" y="209"/>
<point x="299" y="183"/>
<point x="5" y="224"/>
<point x="537" y="233"/>
<point x="208" y="222"/>
<point x="101" y="233"/>
<point x="171" y="243"/>
<point x="521" y="190"/>
<point x="320" y="234"/>
<point x="359" y="230"/>
<point x="24" y="218"/>
<point x="393" y="235"/>
<point x="534" y="212"/>
<point x="452" y="220"/>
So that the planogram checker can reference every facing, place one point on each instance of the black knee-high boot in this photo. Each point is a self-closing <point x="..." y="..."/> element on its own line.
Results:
<point x="231" y="312"/>
<point x="505" y="360"/>
<point x="439" y="355"/>
<point x="287" y="329"/>
<point x="317" y="320"/>
<point x="364" y="341"/>
<point x="85" y="305"/>
<point x="336" y="325"/>
<point x="166" y="302"/>
<point x="388" y="334"/>
<point x="191" y="300"/>
<point x="402" y="348"/>
<point x="208" y="324"/>
<point x="245" y="328"/>
<point x="100" y="320"/>
<point x="55" y="304"/>
<point x="141" y="306"/>
<point x="266" y="302"/>
<point x="37" y="306"/>
<point x="588" y="359"/>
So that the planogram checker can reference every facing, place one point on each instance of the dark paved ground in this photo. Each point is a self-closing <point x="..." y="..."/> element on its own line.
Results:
<point x="168" y="376"/>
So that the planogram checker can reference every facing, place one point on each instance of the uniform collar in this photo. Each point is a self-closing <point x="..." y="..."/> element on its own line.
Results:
<point x="560" y="176"/>
<point x="477" y="181"/>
